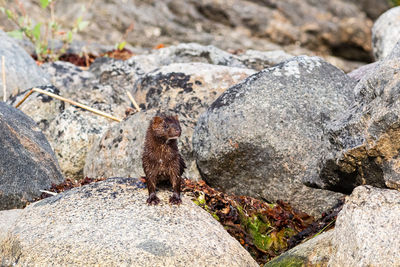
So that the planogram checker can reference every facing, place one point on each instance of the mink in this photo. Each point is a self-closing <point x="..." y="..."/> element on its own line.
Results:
<point x="161" y="159"/>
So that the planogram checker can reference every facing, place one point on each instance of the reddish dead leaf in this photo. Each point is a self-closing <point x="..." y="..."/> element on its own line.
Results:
<point x="159" y="46"/>
<point x="123" y="54"/>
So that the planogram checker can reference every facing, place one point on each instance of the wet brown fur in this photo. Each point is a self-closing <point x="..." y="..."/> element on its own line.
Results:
<point x="161" y="159"/>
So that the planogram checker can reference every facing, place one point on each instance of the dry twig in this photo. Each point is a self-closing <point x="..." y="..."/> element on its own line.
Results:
<point x="133" y="100"/>
<point x="48" y="192"/>
<point x="95" y="111"/>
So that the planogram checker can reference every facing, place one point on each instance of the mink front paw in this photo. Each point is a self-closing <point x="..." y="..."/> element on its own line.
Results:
<point x="175" y="199"/>
<point x="153" y="199"/>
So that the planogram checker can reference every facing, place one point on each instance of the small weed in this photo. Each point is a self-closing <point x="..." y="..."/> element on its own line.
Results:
<point x="42" y="33"/>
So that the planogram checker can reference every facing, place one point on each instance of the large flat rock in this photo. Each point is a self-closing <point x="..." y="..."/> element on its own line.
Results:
<point x="109" y="224"/>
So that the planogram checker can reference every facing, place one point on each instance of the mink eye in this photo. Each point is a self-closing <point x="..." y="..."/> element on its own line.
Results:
<point x="165" y="126"/>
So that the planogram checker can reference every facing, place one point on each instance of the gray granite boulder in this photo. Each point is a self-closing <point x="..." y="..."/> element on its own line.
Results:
<point x="262" y="137"/>
<point x="109" y="223"/>
<point x="386" y="33"/>
<point x="184" y="89"/>
<point x="187" y="53"/>
<point x="67" y="77"/>
<point x="338" y="27"/>
<point x="259" y="60"/>
<point x="21" y="70"/>
<point x="366" y="137"/>
<point x="70" y="130"/>
<point x="362" y="71"/>
<point x="41" y="108"/>
<point x="72" y="134"/>
<point x="27" y="161"/>
<point x="118" y="150"/>
<point x="366" y="231"/>
<point x="365" y="234"/>
<point x="107" y="69"/>
<point x="7" y="219"/>
<point x="315" y="252"/>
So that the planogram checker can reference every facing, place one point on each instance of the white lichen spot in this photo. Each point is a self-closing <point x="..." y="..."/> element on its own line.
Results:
<point x="276" y="72"/>
<point x="310" y="63"/>
<point x="291" y="68"/>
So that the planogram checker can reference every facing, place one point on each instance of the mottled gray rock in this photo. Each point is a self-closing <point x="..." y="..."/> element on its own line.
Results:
<point x="314" y="252"/>
<point x="109" y="223"/>
<point x="107" y="69"/>
<point x="27" y="162"/>
<point x="264" y="135"/>
<point x="373" y="8"/>
<point x="386" y="33"/>
<point x="41" y="108"/>
<point x="391" y="173"/>
<point x="366" y="231"/>
<point x="71" y="131"/>
<point x="362" y="71"/>
<point x="367" y="136"/>
<point x="21" y="70"/>
<point x="395" y="51"/>
<point x="67" y="77"/>
<point x="7" y="219"/>
<point x="118" y="151"/>
<point x="260" y="60"/>
<point x="186" y="53"/>
<point x="72" y="134"/>
<point x="185" y="89"/>
<point x="338" y="27"/>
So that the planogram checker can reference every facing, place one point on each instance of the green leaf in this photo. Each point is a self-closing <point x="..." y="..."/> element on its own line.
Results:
<point x="121" y="45"/>
<point x="9" y="13"/>
<point x="36" y="31"/>
<point x="44" y="3"/>
<point x="82" y="25"/>
<point x="54" y="26"/>
<point x="17" y="34"/>
<point x="2" y="9"/>
<point x="69" y="36"/>
<point x="21" y="20"/>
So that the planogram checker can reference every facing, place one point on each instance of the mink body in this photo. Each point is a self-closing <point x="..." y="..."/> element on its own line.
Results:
<point x="161" y="159"/>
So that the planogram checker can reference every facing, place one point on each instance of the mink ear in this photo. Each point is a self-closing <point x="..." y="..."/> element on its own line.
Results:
<point x="157" y="120"/>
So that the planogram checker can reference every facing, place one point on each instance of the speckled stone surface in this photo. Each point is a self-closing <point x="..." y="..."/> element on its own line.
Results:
<point x="265" y="135"/>
<point x="27" y="161"/>
<point x="367" y="229"/>
<point x="386" y="33"/>
<point x="183" y="89"/>
<point x="367" y="135"/>
<point x="72" y="133"/>
<point x="7" y="219"/>
<point x="109" y="224"/>
<point x="314" y="252"/>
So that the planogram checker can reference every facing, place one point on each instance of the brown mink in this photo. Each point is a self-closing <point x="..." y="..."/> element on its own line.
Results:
<point x="161" y="159"/>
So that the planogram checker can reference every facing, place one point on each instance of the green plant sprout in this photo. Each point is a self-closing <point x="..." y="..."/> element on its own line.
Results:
<point x="395" y="2"/>
<point x="122" y="42"/>
<point x="43" y="32"/>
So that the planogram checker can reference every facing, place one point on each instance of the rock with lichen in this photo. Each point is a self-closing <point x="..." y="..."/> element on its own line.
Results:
<point x="183" y="89"/>
<point x="109" y="223"/>
<point x="366" y="137"/>
<point x="264" y="135"/>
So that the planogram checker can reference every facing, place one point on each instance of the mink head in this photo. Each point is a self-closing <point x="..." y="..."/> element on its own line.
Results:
<point x="166" y="127"/>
